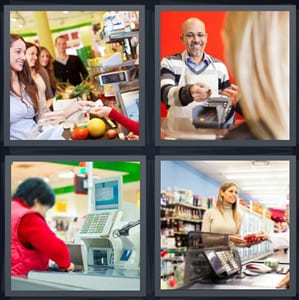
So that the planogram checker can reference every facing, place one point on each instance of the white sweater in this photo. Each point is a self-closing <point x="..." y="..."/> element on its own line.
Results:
<point x="214" y="221"/>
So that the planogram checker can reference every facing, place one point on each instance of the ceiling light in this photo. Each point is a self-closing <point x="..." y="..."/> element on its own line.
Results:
<point x="256" y="175"/>
<point x="273" y="187"/>
<point x="259" y="163"/>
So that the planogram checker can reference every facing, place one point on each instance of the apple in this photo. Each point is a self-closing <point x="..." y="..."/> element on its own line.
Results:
<point x="172" y="282"/>
<point x="111" y="134"/>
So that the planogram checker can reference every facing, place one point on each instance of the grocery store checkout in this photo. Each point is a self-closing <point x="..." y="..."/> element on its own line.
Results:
<point x="212" y="264"/>
<point x="106" y="251"/>
<point x="119" y="82"/>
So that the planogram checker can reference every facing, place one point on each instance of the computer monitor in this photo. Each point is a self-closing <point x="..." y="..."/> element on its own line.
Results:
<point x="107" y="193"/>
<point x="130" y="104"/>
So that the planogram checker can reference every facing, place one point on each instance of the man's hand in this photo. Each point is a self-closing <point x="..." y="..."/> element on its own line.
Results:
<point x="200" y="92"/>
<point x="232" y="93"/>
<point x="285" y="281"/>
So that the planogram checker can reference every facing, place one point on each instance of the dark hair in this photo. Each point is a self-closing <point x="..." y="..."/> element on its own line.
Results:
<point x="35" y="188"/>
<point x="49" y="67"/>
<point x="96" y="27"/>
<point x="29" y="45"/>
<point x="25" y="76"/>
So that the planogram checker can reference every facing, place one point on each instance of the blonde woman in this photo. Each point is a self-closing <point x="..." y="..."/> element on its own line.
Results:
<point x="224" y="218"/>
<point x="257" y="50"/>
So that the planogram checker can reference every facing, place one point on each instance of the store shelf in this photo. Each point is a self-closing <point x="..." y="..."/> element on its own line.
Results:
<point x="181" y="219"/>
<point x="175" y="250"/>
<point x="253" y="222"/>
<point x="185" y="204"/>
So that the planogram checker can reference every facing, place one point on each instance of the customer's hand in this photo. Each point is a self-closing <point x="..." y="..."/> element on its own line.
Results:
<point x="131" y="136"/>
<point x="232" y="93"/>
<point x="200" y="92"/>
<point x="82" y="103"/>
<point x="285" y="281"/>
<point x="101" y="112"/>
<point x="237" y="240"/>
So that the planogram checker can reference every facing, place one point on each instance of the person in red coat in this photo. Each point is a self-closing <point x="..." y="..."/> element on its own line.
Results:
<point x="33" y="243"/>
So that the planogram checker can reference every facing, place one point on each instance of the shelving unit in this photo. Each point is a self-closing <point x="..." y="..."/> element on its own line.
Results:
<point x="180" y="213"/>
<point x="253" y="222"/>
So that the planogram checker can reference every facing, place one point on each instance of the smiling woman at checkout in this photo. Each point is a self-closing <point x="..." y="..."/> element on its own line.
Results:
<point x="225" y="218"/>
<point x="26" y="107"/>
<point x="33" y="243"/>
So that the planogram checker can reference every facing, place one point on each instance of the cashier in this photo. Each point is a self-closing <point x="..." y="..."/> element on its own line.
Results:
<point x="33" y="243"/>
<point x="193" y="75"/>
<point x="278" y="240"/>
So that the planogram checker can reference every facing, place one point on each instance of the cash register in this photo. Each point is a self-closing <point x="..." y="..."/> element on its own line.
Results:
<point x="113" y="260"/>
<point x="209" y="259"/>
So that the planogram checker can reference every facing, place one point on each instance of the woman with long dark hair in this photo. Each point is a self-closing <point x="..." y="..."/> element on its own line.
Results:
<point x="26" y="107"/>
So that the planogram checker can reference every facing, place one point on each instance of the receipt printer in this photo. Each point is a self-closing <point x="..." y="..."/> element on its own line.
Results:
<point x="215" y="112"/>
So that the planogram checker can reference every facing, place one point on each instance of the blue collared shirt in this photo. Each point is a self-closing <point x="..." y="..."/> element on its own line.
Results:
<point x="195" y="67"/>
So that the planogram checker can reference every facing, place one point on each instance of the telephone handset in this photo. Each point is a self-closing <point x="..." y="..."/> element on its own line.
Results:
<point x="223" y="262"/>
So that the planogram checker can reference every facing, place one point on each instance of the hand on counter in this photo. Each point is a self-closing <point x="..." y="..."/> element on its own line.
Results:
<point x="71" y="268"/>
<point x="285" y="281"/>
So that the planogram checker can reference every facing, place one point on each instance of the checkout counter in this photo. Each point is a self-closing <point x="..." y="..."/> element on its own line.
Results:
<point x="106" y="252"/>
<point x="212" y="263"/>
<point x="119" y="82"/>
<point x="208" y="120"/>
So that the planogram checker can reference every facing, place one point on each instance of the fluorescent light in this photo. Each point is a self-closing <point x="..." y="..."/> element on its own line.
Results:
<point x="259" y="163"/>
<point x="264" y="187"/>
<point x="255" y="175"/>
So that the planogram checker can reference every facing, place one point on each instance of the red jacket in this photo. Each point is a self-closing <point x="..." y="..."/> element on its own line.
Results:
<point x="131" y="125"/>
<point x="32" y="242"/>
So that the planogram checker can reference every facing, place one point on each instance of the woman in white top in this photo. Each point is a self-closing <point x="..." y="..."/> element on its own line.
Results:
<point x="224" y="218"/>
<point x="25" y="105"/>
